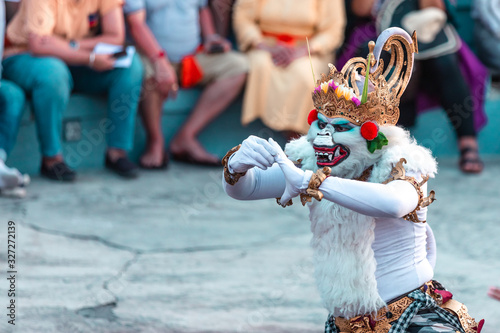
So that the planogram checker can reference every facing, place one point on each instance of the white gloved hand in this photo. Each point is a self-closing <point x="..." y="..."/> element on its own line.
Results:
<point x="297" y="180"/>
<point x="254" y="152"/>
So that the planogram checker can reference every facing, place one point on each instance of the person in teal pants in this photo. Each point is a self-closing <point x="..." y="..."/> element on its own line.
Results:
<point x="49" y="59"/>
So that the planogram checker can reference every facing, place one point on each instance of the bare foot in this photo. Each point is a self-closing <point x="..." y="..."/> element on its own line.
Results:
<point x="191" y="151"/>
<point x="154" y="156"/>
<point x="114" y="154"/>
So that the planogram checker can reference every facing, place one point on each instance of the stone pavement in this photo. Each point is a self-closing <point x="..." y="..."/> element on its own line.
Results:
<point x="170" y="252"/>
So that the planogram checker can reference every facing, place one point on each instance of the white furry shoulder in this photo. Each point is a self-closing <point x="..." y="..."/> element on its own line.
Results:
<point x="419" y="160"/>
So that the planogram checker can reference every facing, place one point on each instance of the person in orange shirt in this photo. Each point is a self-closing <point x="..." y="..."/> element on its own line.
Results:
<point x="50" y="54"/>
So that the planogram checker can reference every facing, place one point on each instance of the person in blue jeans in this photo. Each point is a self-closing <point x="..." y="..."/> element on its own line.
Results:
<point x="50" y="54"/>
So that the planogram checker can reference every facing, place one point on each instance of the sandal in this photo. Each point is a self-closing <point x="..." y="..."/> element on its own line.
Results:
<point x="162" y="166"/>
<point x="190" y="159"/>
<point x="464" y="160"/>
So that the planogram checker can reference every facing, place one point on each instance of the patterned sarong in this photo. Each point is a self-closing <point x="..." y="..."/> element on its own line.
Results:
<point x="424" y="315"/>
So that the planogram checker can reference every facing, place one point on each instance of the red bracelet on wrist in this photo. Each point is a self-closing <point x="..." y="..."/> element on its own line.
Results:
<point x="161" y="54"/>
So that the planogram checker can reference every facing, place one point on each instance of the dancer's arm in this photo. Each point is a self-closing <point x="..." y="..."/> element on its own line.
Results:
<point x="257" y="184"/>
<point x="395" y="199"/>
<point x="262" y="180"/>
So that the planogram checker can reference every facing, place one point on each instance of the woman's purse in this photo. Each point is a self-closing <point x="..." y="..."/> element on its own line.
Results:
<point x="191" y="72"/>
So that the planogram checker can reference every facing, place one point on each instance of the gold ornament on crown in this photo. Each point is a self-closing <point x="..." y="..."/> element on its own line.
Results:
<point x="386" y="83"/>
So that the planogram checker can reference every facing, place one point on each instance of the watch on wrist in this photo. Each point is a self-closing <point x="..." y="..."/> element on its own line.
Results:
<point x="159" y="55"/>
<point x="74" y="44"/>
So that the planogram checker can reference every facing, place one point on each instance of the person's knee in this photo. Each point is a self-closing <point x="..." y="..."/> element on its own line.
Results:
<point x="53" y="73"/>
<point x="133" y="75"/>
<point x="236" y="68"/>
<point x="240" y="62"/>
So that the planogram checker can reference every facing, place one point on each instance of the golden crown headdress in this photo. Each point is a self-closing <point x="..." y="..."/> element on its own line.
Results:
<point x="339" y="94"/>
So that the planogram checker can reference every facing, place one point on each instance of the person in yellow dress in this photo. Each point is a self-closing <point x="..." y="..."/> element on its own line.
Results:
<point x="273" y="34"/>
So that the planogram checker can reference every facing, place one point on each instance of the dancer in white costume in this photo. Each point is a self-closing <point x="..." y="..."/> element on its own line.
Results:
<point x="364" y="181"/>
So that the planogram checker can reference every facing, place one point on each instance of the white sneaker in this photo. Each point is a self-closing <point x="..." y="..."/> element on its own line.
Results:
<point x="8" y="178"/>
<point x="12" y="182"/>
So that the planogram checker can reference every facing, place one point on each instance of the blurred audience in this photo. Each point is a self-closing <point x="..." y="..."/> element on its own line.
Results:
<point x="273" y="34"/>
<point x="11" y="108"/>
<point x="445" y="68"/>
<point x="186" y="51"/>
<point x="50" y="53"/>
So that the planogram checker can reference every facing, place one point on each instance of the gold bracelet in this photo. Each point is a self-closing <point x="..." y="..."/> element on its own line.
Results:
<point x="399" y="173"/>
<point x="231" y="178"/>
<point x="312" y="190"/>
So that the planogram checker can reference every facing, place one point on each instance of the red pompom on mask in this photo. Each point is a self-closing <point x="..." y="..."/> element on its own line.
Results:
<point x="313" y="116"/>
<point x="369" y="130"/>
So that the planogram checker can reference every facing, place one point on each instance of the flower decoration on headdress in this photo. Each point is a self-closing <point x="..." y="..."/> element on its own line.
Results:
<point x="374" y="138"/>
<point x="313" y="116"/>
<point x="341" y="90"/>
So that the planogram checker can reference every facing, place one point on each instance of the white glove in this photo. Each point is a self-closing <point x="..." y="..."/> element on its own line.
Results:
<point x="254" y="152"/>
<point x="297" y="180"/>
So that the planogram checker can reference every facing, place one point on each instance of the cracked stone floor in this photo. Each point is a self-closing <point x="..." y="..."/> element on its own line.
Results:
<point x="169" y="252"/>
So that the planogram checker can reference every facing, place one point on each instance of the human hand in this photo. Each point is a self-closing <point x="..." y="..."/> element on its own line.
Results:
<point x="166" y="79"/>
<point x="216" y="41"/>
<point x="103" y="62"/>
<point x="254" y="152"/>
<point x="297" y="180"/>
<point x="494" y="292"/>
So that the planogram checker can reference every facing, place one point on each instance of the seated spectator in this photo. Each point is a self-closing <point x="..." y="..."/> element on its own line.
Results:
<point x="273" y="34"/>
<point x="168" y="33"/>
<point x="452" y="76"/>
<point x="50" y="54"/>
<point x="487" y="34"/>
<point x="11" y="107"/>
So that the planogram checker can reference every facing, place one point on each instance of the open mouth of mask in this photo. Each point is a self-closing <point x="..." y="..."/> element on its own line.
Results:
<point x="329" y="156"/>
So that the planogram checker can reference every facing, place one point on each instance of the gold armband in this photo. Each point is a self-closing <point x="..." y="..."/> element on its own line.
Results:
<point x="231" y="178"/>
<point x="312" y="190"/>
<point x="399" y="173"/>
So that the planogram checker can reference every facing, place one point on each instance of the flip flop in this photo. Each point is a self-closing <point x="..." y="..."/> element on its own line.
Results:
<point x="464" y="160"/>
<point x="162" y="166"/>
<point x="189" y="159"/>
